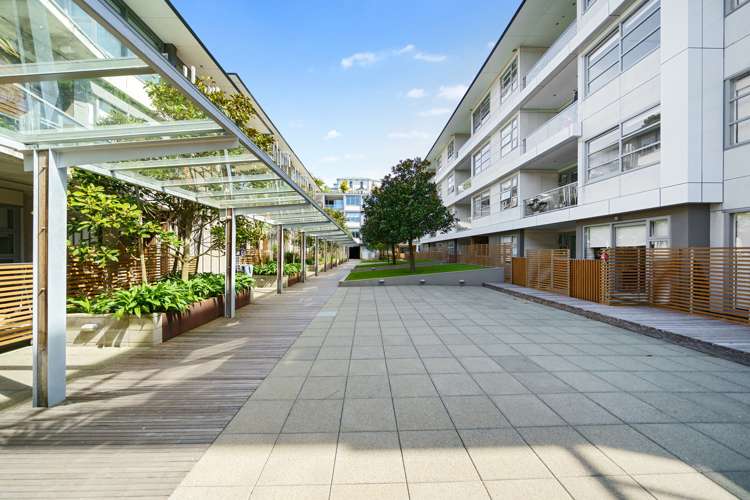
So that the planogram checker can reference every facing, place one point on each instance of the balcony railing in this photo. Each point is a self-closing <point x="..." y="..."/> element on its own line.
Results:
<point x="562" y="120"/>
<point x="554" y="49"/>
<point x="554" y="199"/>
<point x="464" y="186"/>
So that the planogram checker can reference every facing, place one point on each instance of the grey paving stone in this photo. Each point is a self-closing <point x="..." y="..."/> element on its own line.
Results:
<point x="474" y="412"/>
<point x="301" y="459"/>
<point x="304" y="492"/>
<point x="542" y="382"/>
<point x="465" y="490"/>
<point x="585" y="382"/>
<point x="679" y="486"/>
<point x="517" y="364"/>
<point x="408" y="386"/>
<point x="310" y="415"/>
<point x="577" y="409"/>
<point x="405" y="366"/>
<point x="388" y="491"/>
<point x="433" y="351"/>
<point x="679" y="407"/>
<point x="499" y="383"/>
<point x="527" y="489"/>
<point x="368" y="386"/>
<point x="480" y="364"/>
<point x="368" y="415"/>
<point x="329" y="368"/>
<point x="737" y="483"/>
<point x="323" y="388"/>
<point x="502" y="454"/>
<point x="400" y="351"/>
<point x="367" y="367"/>
<point x="628" y="408"/>
<point x="260" y="417"/>
<point x="443" y="365"/>
<point x="526" y="410"/>
<point x="416" y="414"/>
<point x="279" y="388"/>
<point x="432" y="456"/>
<point x="455" y="384"/>
<point x="605" y="488"/>
<point x="735" y="436"/>
<point x="233" y="460"/>
<point x="627" y="381"/>
<point x="368" y="457"/>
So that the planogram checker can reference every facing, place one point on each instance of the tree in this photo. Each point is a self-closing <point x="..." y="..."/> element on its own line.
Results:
<point x="321" y="184"/>
<point x="380" y="227"/>
<point x="344" y="186"/>
<point x="338" y="217"/>
<point x="411" y="206"/>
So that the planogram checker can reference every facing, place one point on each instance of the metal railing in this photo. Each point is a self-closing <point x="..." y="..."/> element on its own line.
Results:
<point x="554" y="199"/>
<point x="551" y="52"/>
<point x="464" y="186"/>
<point x="566" y="118"/>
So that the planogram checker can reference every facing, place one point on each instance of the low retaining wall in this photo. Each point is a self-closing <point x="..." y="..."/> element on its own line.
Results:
<point x="104" y="330"/>
<point x="473" y="277"/>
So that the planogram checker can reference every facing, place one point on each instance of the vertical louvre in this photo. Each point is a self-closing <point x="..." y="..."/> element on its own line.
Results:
<point x="519" y="271"/>
<point x="585" y="279"/>
<point x="16" y="293"/>
<point x="547" y="269"/>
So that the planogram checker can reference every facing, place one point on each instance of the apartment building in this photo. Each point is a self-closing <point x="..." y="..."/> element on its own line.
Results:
<point x="603" y="123"/>
<point x="349" y="202"/>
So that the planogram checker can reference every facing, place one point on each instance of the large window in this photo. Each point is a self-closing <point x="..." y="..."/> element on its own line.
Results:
<point x="739" y="109"/>
<point x="480" y="205"/>
<point x="509" y="193"/>
<point x="509" y="137"/>
<point x="651" y="233"/>
<point x="742" y="229"/>
<point x="635" y="38"/>
<point x="353" y="216"/>
<point x="481" y="113"/>
<point x="509" y="80"/>
<point x="512" y="241"/>
<point x="353" y="199"/>
<point x="10" y="235"/>
<point x="636" y="143"/>
<point x="451" y="148"/>
<point x="451" y="183"/>
<point x="482" y="159"/>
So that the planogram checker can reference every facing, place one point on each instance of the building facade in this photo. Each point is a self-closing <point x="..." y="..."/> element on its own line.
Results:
<point x="605" y="123"/>
<point x="349" y="202"/>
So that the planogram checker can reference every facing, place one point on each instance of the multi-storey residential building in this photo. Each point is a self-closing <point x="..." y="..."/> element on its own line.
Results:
<point x="604" y="123"/>
<point x="350" y="203"/>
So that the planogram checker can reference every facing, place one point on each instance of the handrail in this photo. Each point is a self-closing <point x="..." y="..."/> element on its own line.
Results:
<point x="551" y="52"/>
<point x="552" y="199"/>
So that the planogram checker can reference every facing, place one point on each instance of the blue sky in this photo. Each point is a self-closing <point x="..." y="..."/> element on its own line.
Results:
<point x="355" y="85"/>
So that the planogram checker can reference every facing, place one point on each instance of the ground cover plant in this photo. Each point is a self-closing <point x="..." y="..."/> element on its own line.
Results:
<point x="389" y="273"/>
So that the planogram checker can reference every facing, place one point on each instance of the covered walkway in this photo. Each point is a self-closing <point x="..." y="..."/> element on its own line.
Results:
<point x="446" y="392"/>
<point x="136" y="425"/>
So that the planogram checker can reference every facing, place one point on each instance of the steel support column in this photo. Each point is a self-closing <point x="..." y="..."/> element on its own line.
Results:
<point x="230" y="233"/>
<point x="316" y="256"/>
<point x="280" y="261"/>
<point x="50" y="280"/>
<point x="303" y="256"/>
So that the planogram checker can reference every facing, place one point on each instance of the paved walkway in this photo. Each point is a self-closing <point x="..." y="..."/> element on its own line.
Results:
<point x="730" y="340"/>
<point x="446" y="392"/>
<point x="134" y="426"/>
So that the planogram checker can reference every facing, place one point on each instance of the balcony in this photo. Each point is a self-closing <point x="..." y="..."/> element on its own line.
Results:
<point x="565" y="120"/>
<point x="554" y="49"/>
<point x="554" y="199"/>
<point x="464" y="186"/>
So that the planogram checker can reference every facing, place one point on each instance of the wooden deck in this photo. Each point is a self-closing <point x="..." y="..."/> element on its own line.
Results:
<point x="135" y="427"/>
<point x="722" y="338"/>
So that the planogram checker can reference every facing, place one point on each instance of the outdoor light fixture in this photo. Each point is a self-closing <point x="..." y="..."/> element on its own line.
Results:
<point x="421" y="282"/>
<point x="381" y="282"/>
<point x="461" y="282"/>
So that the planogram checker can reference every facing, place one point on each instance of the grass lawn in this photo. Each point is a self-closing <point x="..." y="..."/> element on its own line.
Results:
<point x="382" y="263"/>
<point x="387" y="273"/>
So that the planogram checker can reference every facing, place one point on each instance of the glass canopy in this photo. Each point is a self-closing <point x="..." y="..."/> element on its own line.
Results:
<point x="78" y="79"/>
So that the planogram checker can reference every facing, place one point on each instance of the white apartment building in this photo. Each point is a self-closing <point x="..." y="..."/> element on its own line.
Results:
<point x="603" y="123"/>
<point x="350" y="203"/>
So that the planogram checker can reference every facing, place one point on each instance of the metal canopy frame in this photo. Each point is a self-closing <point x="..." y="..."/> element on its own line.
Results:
<point x="72" y="70"/>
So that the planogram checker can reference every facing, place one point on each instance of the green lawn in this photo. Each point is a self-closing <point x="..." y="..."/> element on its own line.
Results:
<point x="388" y="273"/>
<point x="382" y="263"/>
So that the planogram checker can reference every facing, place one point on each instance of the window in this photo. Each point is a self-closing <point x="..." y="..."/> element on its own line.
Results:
<point x="630" y="235"/>
<point x="480" y="113"/>
<point x="634" y="144"/>
<point x="509" y="193"/>
<point x="658" y="233"/>
<point x="512" y="241"/>
<point x="597" y="238"/>
<point x="354" y="200"/>
<point x="587" y="4"/>
<point x="636" y="37"/>
<point x="481" y="159"/>
<point x="451" y="146"/>
<point x="509" y="138"/>
<point x="509" y="80"/>
<point x="451" y="182"/>
<point x="10" y="234"/>
<point x="739" y="110"/>
<point x="652" y="233"/>
<point x="353" y="216"/>
<point x="742" y="229"/>
<point x="439" y="162"/>
<point x="735" y="4"/>
<point x="480" y="205"/>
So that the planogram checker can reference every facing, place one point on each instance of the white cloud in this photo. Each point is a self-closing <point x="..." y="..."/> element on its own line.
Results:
<point x="434" y="112"/>
<point x="405" y="49"/>
<point x="491" y="45"/>
<point x="332" y="134"/>
<point x="354" y="156"/>
<point x="432" y="58"/>
<point x="359" y="59"/>
<point x="410" y="134"/>
<point x="452" y="92"/>
<point x="416" y="93"/>
<point x="329" y="159"/>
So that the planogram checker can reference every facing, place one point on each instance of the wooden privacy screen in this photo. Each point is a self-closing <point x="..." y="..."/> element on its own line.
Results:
<point x="548" y="269"/>
<point x="16" y="295"/>
<point x="518" y="272"/>
<point x="624" y="278"/>
<point x="585" y="279"/>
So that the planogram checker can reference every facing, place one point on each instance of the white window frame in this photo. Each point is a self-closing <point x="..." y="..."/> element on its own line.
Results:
<point x="484" y="108"/>
<point x="481" y="197"/>
<point x="733" y="5"/>
<point x="732" y="103"/>
<point x="651" y="240"/>
<point x="510" y="132"/>
<point x="620" y="139"/>
<point x="513" y="84"/>
<point x="481" y="159"/>
<point x="509" y="185"/>
<point x="617" y="35"/>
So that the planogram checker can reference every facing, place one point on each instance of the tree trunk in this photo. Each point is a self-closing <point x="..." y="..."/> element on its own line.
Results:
<point x="412" y="257"/>
<point x="185" y="271"/>
<point x="142" y="259"/>
<point x="393" y="253"/>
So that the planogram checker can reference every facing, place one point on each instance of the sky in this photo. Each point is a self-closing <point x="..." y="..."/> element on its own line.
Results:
<point x="354" y="86"/>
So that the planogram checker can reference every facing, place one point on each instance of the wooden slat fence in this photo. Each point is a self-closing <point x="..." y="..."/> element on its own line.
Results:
<point x="624" y="278"/>
<point x="547" y="269"/>
<point x="585" y="279"/>
<point x="518" y="273"/>
<point x="16" y="289"/>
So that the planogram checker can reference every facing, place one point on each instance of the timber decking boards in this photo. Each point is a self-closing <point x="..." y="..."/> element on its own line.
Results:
<point x="722" y="338"/>
<point x="135" y="427"/>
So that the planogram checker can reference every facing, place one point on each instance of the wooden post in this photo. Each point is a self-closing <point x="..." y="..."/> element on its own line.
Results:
<point x="280" y="261"/>
<point x="316" y="256"/>
<point x="303" y="257"/>
<point x="50" y="287"/>
<point x="231" y="263"/>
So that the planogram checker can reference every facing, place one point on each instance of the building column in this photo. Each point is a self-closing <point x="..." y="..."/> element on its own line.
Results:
<point x="303" y="257"/>
<point x="50" y="280"/>
<point x="280" y="261"/>
<point x="325" y="256"/>
<point x="230" y="232"/>
<point x="316" y="256"/>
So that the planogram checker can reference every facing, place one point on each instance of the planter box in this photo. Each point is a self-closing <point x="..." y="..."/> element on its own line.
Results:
<point x="104" y="330"/>
<point x="268" y="281"/>
<point x="293" y="279"/>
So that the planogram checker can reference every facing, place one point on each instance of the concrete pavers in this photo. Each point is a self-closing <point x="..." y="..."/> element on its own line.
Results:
<point x="431" y="392"/>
